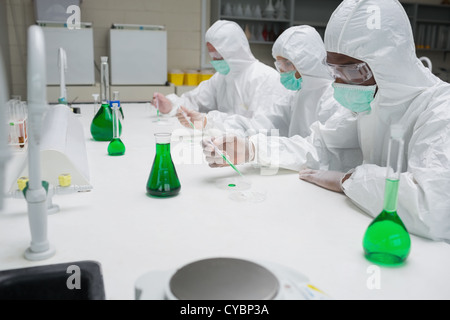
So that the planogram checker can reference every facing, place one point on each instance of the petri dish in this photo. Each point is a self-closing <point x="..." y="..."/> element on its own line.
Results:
<point x="248" y="196"/>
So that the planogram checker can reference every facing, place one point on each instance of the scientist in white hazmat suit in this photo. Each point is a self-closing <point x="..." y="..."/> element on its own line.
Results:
<point x="371" y="52"/>
<point x="241" y="85"/>
<point x="299" y="53"/>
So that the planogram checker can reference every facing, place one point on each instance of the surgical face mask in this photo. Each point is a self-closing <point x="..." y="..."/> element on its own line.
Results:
<point x="354" y="98"/>
<point x="221" y="66"/>
<point x="290" y="81"/>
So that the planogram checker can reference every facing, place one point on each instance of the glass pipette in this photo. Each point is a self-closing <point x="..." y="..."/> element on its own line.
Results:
<point x="212" y="143"/>
<point x="225" y="157"/>
<point x="186" y="117"/>
<point x="157" y="109"/>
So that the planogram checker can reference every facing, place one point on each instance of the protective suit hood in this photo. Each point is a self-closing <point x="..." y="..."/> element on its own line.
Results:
<point x="379" y="33"/>
<point x="231" y="42"/>
<point x="385" y="43"/>
<point x="303" y="46"/>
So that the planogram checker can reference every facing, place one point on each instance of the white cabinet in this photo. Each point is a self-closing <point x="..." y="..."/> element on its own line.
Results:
<point x="79" y="47"/>
<point x="138" y="56"/>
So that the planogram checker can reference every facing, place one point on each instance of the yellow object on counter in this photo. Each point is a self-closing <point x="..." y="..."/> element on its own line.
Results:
<point x="206" y="75"/>
<point x="22" y="183"/>
<point x="65" y="180"/>
<point x="176" y="77"/>
<point x="191" y="78"/>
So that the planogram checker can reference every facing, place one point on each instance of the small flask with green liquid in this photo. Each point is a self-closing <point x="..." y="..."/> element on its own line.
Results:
<point x="387" y="241"/>
<point x="116" y="146"/>
<point x="163" y="181"/>
<point x="102" y="124"/>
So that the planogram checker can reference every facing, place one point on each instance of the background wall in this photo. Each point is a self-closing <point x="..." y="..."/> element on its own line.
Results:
<point x="182" y="19"/>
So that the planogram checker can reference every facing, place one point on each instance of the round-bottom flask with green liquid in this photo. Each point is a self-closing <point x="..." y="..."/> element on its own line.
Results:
<point x="102" y="124"/>
<point x="386" y="241"/>
<point x="116" y="147"/>
<point x="163" y="180"/>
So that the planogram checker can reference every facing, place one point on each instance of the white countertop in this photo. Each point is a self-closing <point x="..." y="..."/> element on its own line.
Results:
<point x="301" y="226"/>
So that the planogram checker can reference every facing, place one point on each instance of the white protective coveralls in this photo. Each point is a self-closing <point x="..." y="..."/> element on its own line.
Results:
<point x="249" y="86"/>
<point x="297" y="111"/>
<point x="379" y="33"/>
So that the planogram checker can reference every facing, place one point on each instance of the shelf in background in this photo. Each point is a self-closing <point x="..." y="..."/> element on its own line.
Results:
<point x="311" y="23"/>
<point x="261" y="42"/>
<point x="255" y="19"/>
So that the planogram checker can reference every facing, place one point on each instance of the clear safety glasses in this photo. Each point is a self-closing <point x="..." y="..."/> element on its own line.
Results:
<point x="215" y="55"/>
<point x="356" y="73"/>
<point x="284" y="66"/>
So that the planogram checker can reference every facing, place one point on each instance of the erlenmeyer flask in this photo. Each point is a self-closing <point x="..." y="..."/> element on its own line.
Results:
<point x="102" y="125"/>
<point x="387" y="242"/>
<point x="163" y="180"/>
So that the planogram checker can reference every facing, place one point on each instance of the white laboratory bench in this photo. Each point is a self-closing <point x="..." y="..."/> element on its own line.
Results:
<point x="301" y="226"/>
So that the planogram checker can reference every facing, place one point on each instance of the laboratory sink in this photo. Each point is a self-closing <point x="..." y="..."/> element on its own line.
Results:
<point x="81" y="280"/>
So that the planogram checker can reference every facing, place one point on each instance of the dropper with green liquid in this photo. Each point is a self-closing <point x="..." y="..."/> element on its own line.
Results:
<point x="387" y="241"/>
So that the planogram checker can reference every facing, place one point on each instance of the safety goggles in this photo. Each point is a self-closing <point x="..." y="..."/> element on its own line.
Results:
<point x="284" y="66"/>
<point x="215" y="55"/>
<point x="356" y="73"/>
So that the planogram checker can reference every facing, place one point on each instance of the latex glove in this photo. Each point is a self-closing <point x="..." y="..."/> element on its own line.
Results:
<point x="238" y="150"/>
<point x="330" y="180"/>
<point x="196" y="118"/>
<point x="164" y="104"/>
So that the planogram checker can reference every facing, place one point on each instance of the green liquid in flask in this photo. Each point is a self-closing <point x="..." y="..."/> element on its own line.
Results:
<point x="387" y="242"/>
<point x="102" y="124"/>
<point x="163" y="180"/>
<point x="116" y="147"/>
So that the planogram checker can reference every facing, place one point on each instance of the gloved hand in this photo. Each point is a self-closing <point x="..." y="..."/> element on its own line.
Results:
<point x="196" y="118"/>
<point x="238" y="150"/>
<point x="164" y="104"/>
<point x="330" y="180"/>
